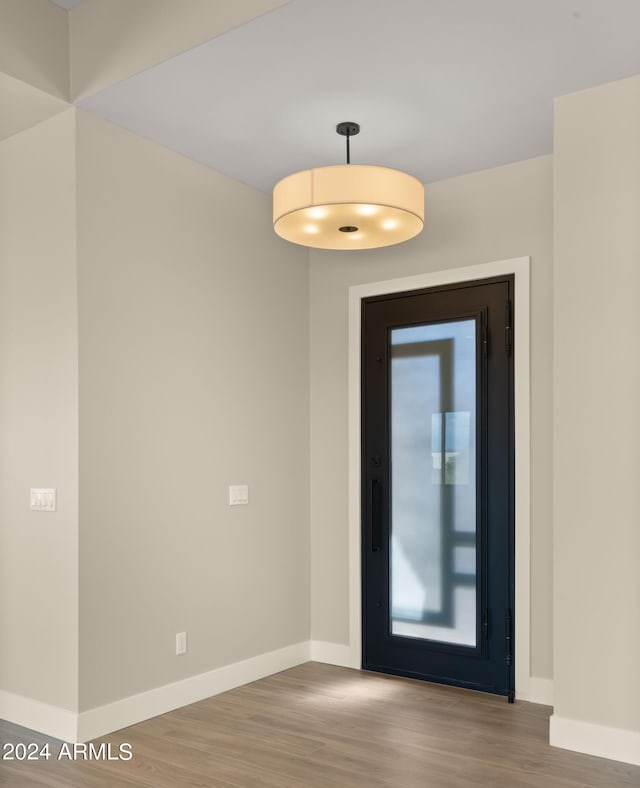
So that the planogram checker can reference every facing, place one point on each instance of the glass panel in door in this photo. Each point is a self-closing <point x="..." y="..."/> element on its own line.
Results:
<point x="433" y="556"/>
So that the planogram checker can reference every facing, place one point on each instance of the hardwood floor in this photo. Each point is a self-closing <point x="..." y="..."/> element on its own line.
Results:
<point x="321" y="726"/>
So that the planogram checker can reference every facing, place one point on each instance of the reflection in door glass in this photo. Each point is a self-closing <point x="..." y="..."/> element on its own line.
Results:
<point x="433" y="482"/>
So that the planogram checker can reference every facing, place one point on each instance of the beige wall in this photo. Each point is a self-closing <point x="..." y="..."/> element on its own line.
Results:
<point x="23" y="106"/>
<point x="596" y="415"/>
<point x="194" y="374"/>
<point x="34" y="63"/>
<point x="39" y="413"/>
<point x="34" y="44"/>
<point x="478" y="218"/>
<point x="113" y="39"/>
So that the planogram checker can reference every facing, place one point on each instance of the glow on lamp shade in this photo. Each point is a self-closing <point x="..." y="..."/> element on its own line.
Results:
<point x="374" y="206"/>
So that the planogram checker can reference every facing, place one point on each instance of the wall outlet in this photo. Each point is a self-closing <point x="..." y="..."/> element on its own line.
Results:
<point x="181" y="643"/>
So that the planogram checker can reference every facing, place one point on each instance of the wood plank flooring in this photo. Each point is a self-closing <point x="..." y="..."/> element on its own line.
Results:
<point x="319" y="726"/>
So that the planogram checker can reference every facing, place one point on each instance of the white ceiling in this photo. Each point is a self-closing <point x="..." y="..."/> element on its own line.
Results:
<point x="440" y="87"/>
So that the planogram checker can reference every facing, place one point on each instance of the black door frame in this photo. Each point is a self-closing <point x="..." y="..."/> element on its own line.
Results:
<point x="351" y="655"/>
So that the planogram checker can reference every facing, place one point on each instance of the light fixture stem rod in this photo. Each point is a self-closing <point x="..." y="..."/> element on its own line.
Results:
<point x="348" y="150"/>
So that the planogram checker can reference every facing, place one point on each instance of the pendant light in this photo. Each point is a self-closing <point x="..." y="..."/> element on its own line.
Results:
<point x="348" y="206"/>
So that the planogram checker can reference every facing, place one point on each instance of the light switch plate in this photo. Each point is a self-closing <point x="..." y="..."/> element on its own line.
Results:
<point x="181" y="643"/>
<point x="238" y="494"/>
<point x="43" y="499"/>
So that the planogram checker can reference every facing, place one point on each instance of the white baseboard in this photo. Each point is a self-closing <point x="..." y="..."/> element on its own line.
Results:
<point x="29" y="713"/>
<point x="605" y="742"/>
<point x="332" y="654"/>
<point x="541" y="691"/>
<point x="136" y="708"/>
<point x="69" y="726"/>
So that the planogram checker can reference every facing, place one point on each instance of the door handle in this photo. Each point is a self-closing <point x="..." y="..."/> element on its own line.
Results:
<point x="376" y="515"/>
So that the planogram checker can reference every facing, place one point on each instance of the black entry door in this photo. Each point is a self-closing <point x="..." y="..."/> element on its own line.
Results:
<point x="437" y="485"/>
